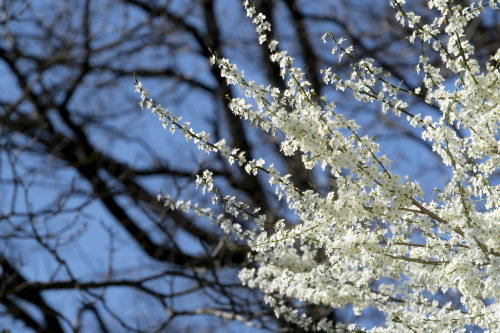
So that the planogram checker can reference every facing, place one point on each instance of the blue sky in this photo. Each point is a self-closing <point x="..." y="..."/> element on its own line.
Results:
<point x="116" y="125"/>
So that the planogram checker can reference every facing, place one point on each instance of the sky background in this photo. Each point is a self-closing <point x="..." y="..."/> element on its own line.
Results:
<point x="108" y="110"/>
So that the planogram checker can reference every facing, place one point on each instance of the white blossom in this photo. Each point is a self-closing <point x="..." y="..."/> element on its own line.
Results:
<point x="366" y="228"/>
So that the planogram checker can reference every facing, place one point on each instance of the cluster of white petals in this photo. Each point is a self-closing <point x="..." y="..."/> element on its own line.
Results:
<point x="365" y="230"/>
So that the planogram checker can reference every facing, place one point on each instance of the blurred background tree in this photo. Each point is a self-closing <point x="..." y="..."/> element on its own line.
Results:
<point x="85" y="244"/>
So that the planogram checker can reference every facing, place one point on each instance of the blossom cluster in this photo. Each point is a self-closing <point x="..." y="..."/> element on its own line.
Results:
<point x="365" y="228"/>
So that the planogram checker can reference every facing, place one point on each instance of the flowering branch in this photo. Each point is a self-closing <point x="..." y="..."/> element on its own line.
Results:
<point x="382" y="245"/>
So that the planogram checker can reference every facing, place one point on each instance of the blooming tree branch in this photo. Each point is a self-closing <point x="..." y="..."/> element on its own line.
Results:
<point x="366" y="227"/>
